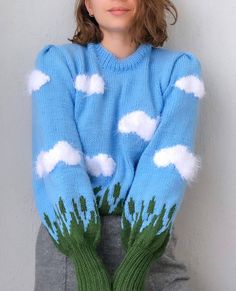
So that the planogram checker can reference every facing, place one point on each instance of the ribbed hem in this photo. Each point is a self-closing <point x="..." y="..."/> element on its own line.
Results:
<point x="108" y="60"/>
<point x="90" y="272"/>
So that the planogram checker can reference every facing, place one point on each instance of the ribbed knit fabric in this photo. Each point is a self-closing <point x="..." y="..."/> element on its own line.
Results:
<point x="113" y="136"/>
<point x="132" y="272"/>
<point x="89" y="269"/>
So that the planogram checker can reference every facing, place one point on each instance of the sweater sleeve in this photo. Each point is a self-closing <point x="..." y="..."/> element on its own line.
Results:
<point x="63" y="192"/>
<point x="166" y="167"/>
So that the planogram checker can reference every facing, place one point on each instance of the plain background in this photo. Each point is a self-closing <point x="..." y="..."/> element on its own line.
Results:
<point x="206" y="224"/>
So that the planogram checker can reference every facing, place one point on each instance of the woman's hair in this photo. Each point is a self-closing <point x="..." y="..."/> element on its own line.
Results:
<point x="149" y="23"/>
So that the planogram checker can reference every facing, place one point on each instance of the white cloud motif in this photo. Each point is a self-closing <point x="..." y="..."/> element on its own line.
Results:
<point x="101" y="164"/>
<point x="191" y="84"/>
<point x="36" y="80"/>
<point x="61" y="151"/>
<point x="89" y="84"/>
<point x="185" y="162"/>
<point x="140" y="123"/>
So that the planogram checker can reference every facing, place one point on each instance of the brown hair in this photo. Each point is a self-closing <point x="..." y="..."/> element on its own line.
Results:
<point x="149" y="23"/>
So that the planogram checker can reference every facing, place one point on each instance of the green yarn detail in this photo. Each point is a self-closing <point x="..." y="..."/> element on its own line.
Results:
<point x="104" y="209"/>
<point x="76" y="234"/>
<point x="80" y="244"/>
<point x="141" y="246"/>
<point x="148" y="237"/>
<point x="89" y="270"/>
<point x="132" y="272"/>
<point x="151" y="206"/>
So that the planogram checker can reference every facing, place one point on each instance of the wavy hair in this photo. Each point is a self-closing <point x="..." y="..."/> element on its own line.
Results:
<point x="149" y="24"/>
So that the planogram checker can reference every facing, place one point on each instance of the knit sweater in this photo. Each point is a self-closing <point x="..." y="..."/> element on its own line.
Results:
<point x="113" y="136"/>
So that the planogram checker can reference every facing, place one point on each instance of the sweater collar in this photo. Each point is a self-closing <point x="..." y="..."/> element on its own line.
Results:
<point x="108" y="60"/>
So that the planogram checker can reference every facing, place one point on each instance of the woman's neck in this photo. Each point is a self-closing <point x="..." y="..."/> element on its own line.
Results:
<point x="120" y="47"/>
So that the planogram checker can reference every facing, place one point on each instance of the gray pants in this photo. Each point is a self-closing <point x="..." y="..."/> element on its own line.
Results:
<point x="55" y="272"/>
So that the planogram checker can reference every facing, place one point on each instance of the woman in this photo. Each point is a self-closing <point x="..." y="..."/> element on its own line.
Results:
<point x="113" y="125"/>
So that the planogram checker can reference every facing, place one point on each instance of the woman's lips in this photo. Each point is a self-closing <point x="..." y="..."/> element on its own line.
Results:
<point x="118" y="12"/>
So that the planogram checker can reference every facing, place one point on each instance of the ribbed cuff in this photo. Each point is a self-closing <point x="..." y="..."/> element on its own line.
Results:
<point x="131" y="274"/>
<point x="90" y="271"/>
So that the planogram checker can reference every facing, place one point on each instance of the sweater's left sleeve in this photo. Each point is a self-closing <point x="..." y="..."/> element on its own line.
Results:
<point x="167" y="165"/>
<point x="63" y="192"/>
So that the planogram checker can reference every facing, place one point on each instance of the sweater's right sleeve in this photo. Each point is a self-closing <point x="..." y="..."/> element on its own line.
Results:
<point x="166" y="167"/>
<point x="63" y="192"/>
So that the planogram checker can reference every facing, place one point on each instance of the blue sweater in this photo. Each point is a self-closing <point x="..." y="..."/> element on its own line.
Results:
<point x="113" y="136"/>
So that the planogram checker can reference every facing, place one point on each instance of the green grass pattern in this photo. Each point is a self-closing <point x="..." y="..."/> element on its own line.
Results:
<point x="105" y="207"/>
<point x="76" y="234"/>
<point x="68" y="238"/>
<point x="148" y="237"/>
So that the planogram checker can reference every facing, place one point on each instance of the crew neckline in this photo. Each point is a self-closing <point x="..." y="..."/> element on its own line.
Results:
<point x="109" y="60"/>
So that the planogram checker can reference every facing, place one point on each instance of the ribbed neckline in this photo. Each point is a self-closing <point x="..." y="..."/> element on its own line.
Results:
<point x="108" y="60"/>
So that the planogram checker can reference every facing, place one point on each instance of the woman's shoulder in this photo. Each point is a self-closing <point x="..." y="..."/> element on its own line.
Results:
<point x="164" y="60"/>
<point x="69" y="51"/>
<point x="72" y="47"/>
<point x="166" y="55"/>
<point x="70" y="55"/>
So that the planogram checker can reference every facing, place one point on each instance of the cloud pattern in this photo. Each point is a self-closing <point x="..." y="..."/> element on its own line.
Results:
<point x="89" y="85"/>
<point x="36" y="80"/>
<point x="184" y="161"/>
<point x="191" y="84"/>
<point x="61" y="151"/>
<point x="101" y="164"/>
<point x="136" y="122"/>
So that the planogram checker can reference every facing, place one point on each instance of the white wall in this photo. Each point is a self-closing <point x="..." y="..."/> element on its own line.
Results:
<point x="206" y="223"/>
